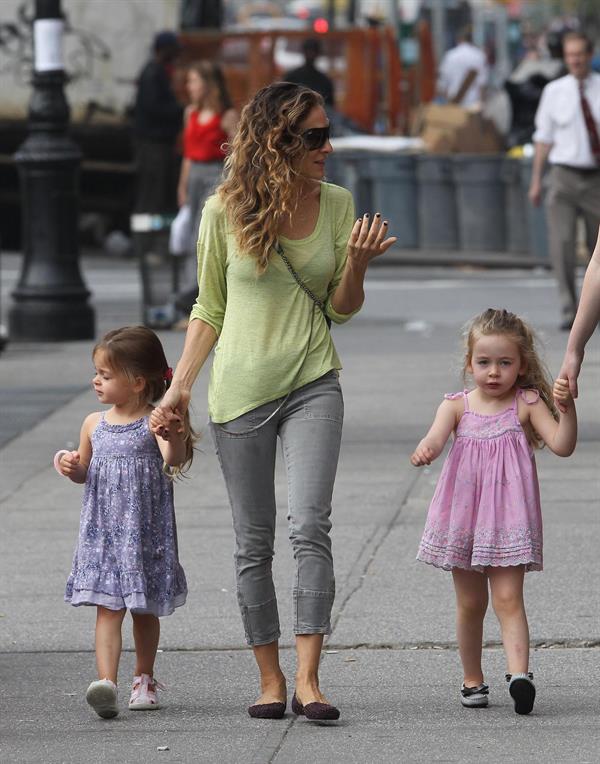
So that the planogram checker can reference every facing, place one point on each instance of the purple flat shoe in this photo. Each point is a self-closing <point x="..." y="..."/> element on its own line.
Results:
<point x="316" y="712"/>
<point x="267" y="710"/>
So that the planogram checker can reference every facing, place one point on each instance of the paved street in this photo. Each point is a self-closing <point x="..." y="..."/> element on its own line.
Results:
<point x="391" y="662"/>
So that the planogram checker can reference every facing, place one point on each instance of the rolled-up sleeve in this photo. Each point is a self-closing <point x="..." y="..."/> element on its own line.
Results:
<point x="344" y="222"/>
<point x="212" y="267"/>
<point x="544" y="126"/>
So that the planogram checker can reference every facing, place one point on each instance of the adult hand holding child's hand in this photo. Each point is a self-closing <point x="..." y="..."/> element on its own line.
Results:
<point x="562" y="394"/>
<point x="169" y="413"/>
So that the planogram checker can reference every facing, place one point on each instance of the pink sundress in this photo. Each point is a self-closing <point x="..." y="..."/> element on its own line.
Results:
<point x="486" y="507"/>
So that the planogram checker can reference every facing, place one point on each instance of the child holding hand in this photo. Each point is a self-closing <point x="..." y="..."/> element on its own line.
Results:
<point x="484" y="522"/>
<point x="127" y="557"/>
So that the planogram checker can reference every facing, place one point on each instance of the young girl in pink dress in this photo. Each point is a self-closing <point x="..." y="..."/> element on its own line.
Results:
<point x="485" y="523"/>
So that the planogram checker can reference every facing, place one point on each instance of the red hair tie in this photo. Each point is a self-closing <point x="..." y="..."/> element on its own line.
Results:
<point x="168" y="376"/>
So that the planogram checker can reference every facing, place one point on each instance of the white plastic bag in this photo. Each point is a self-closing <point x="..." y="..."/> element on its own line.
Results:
<point x="181" y="231"/>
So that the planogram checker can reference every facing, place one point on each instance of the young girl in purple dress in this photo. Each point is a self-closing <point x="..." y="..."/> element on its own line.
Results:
<point x="484" y="523"/>
<point x="126" y="558"/>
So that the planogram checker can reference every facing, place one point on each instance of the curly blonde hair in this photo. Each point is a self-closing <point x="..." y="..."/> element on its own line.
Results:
<point x="260" y="186"/>
<point x="535" y="377"/>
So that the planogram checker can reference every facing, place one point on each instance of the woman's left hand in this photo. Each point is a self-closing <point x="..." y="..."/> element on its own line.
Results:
<point x="368" y="240"/>
<point x="562" y="394"/>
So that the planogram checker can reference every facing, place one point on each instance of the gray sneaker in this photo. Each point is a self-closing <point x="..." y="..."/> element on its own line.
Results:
<point x="522" y="691"/>
<point x="102" y="697"/>
<point x="475" y="697"/>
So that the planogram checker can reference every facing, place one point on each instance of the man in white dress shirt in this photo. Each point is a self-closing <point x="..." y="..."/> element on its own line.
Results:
<point x="463" y="72"/>
<point x="568" y="136"/>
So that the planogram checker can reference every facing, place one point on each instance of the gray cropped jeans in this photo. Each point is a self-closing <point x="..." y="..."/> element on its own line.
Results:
<point x="309" y="425"/>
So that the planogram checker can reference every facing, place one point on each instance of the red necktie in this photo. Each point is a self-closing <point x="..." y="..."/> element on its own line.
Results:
<point x="590" y="124"/>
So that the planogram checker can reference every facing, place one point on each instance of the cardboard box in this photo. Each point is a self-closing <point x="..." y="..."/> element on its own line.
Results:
<point x="437" y="140"/>
<point x="447" y="129"/>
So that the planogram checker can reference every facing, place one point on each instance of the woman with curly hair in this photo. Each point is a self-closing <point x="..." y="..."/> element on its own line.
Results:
<point x="280" y="254"/>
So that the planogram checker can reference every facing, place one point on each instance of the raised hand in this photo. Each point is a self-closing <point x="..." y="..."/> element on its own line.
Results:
<point x="368" y="239"/>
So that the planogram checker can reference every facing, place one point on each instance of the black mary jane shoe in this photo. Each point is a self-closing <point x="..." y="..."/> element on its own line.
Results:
<point x="267" y="710"/>
<point x="316" y="712"/>
<point x="522" y="691"/>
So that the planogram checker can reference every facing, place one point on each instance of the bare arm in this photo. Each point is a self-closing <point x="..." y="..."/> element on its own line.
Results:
<point x="539" y="160"/>
<point x="199" y="341"/>
<point x="366" y="242"/>
<point x="586" y="321"/>
<point x="561" y="436"/>
<point x="74" y="464"/>
<point x="183" y="182"/>
<point x="433" y="443"/>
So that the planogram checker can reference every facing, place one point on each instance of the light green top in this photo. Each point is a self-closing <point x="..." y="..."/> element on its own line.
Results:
<point x="272" y="337"/>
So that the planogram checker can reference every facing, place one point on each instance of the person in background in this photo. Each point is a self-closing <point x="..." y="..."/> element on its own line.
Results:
<point x="526" y="85"/>
<point x="210" y="123"/>
<point x="309" y="75"/>
<point x="568" y="136"/>
<point x="463" y="72"/>
<point x="157" y="122"/>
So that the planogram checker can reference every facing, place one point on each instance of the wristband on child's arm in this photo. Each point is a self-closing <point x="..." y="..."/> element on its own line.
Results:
<point x="57" y="458"/>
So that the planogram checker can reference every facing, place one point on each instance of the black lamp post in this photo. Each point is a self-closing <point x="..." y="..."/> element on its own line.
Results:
<point x="50" y="300"/>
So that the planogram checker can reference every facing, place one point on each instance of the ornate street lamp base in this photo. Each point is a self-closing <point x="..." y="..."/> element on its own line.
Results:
<point x="50" y="299"/>
<point x="51" y="321"/>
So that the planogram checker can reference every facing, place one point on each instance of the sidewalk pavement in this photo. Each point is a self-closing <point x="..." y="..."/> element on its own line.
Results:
<point x="391" y="662"/>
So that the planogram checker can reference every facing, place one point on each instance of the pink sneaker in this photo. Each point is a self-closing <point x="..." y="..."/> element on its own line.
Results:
<point x="143" y="693"/>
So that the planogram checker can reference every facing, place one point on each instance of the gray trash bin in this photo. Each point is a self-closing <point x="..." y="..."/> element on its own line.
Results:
<point x="394" y="179"/>
<point x="536" y="216"/>
<point x="480" y="201"/>
<point x="438" y="224"/>
<point x="334" y="168"/>
<point x="350" y="169"/>
<point x="515" y="205"/>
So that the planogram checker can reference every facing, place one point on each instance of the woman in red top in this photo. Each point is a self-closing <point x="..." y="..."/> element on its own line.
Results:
<point x="210" y="122"/>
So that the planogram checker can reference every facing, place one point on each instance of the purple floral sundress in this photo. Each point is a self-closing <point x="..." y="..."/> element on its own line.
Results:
<point x="486" y="507"/>
<point x="127" y="555"/>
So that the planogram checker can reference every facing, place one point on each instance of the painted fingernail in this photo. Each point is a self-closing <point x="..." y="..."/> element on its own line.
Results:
<point x="377" y="215"/>
<point x="385" y="222"/>
<point x="366" y="214"/>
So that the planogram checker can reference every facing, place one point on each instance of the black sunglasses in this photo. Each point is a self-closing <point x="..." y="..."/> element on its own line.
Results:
<point x="315" y="138"/>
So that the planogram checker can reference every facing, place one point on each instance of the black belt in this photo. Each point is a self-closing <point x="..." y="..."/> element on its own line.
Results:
<point x="583" y="170"/>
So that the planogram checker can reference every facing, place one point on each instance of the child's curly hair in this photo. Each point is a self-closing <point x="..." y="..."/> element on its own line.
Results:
<point x="535" y="377"/>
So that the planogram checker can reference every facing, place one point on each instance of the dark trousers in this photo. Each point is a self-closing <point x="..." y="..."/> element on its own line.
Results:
<point x="570" y="192"/>
<point x="157" y="170"/>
